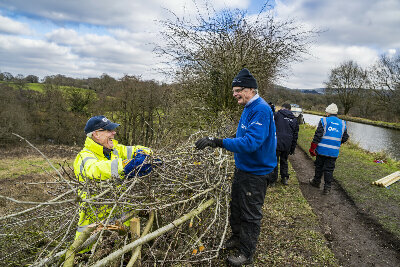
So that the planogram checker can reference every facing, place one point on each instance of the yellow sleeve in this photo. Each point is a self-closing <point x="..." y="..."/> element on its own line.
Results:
<point x="86" y="165"/>
<point x="129" y="152"/>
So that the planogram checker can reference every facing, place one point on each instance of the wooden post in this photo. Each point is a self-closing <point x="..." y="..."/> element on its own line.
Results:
<point x="135" y="231"/>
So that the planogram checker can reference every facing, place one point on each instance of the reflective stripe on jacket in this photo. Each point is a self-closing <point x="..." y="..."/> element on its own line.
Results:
<point x="332" y="137"/>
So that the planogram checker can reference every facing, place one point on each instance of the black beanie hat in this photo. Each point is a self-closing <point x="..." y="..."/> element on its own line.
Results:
<point x="244" y="79"/>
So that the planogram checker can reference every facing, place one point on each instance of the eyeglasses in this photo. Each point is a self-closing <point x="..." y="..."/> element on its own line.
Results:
<point x="236" y="91"/>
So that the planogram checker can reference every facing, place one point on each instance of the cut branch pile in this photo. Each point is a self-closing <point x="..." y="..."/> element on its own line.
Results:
<point x="182" y="207"/>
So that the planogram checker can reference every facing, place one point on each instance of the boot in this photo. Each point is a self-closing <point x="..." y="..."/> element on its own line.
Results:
<point x="284" y="180"/>
<point x="239" y="260"/>
<point x="326" y="191"/>
<point x="314" y="183"/>
<point x="232" y="243"/>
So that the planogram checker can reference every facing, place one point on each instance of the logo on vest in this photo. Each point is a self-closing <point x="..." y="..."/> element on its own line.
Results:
<point x="332" y="129"/>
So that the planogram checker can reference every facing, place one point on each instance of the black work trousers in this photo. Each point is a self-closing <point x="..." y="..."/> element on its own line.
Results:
<point x="324" y="166"/>
<point x="248" y="194"/>
<point x="282" y="158"/>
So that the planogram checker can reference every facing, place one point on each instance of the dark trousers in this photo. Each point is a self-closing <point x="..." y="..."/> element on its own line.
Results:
<point x="248" y="194"/>
<point x="324" y="166"/>
<point x="282" y="158"/>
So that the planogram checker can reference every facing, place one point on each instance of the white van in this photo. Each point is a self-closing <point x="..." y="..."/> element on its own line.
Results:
<point x="297" y="112"/>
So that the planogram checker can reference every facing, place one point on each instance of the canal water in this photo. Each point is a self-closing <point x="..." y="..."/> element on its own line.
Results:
<point x="369" y="137"/>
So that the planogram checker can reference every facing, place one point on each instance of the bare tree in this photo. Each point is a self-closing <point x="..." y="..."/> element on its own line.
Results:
<point x="20" y="81"/>
<point x="211" y="49"/>
<point x="32" y="79"/>
<point x="137" y="105"/>
<point x="384" y="79"/>
<point x="345" y="82"/>
<point x="6" y="76"/>
<point x="79" y="100"/>
<point x="103" y="84"/>
<point x="14" y="114"/>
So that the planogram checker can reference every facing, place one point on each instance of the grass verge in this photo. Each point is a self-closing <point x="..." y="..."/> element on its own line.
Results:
<point x="15" y="167"/>
<point x="290" y="230"/>
<point x="355" y="171"/>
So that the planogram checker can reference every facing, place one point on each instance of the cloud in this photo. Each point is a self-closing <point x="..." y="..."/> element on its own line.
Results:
<point x="27" y="56"/>
<point x="367" y="22"/>
<point x="351" y="30"/>
<point x="64" y="36"/>
<point x="121" y="13"/>
<point x="123" y="52"/>
<point x="392" y="51"/>
<point x="91" y="37"/>
<point x="71" y="53"/>
<point x="317" y="68"/>
<point x="10" y="26"/>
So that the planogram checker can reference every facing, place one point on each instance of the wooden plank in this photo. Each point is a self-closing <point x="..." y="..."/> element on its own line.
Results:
<point x="391" y="180"/>
<point x="388" y="180"/>
<point x="382" y="180"/>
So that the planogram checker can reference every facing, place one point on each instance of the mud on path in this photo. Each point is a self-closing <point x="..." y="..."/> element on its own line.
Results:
<point x="354" y="237"/>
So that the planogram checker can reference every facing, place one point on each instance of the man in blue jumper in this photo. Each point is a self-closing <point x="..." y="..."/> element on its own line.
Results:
<point x="330" y="134"/>
<point x="254" y="148"/>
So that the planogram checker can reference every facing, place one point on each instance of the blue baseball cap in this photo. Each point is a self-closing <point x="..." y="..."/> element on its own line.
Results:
<point x="99" y="122"/>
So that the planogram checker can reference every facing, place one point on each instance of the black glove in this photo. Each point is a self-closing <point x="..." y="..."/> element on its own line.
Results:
<point x="208" y="141"/>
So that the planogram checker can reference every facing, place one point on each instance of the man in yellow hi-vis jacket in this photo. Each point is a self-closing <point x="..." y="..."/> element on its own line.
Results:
<point x="103" y="158"/>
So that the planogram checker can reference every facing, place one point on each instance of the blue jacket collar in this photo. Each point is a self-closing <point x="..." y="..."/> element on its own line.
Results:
<point x="252" y="100"/>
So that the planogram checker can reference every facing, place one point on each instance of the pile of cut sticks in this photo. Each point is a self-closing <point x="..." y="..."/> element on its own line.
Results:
<point x="388" y="180"/>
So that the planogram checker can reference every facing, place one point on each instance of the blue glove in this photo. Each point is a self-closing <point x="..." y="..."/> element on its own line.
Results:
<point x="135" y="167"/>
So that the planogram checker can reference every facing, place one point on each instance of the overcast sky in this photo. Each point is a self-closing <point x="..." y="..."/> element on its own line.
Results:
<point x="86" y="38"/>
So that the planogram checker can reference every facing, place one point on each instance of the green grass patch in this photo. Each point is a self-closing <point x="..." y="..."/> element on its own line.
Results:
<point x="28" y="86"/>
<point x="40" y="87"/>
<point x="35" y="87"/>
<point x="290" y="233"/>
<point x="15" y="167"/>
<point x="355" y="171"/>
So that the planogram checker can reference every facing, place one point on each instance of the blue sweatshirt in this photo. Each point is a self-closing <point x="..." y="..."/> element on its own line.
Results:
<point x="255" y="142"/>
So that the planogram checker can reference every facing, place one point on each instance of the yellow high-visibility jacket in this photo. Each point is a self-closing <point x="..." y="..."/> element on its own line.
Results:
<point x="91" y="163"/>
